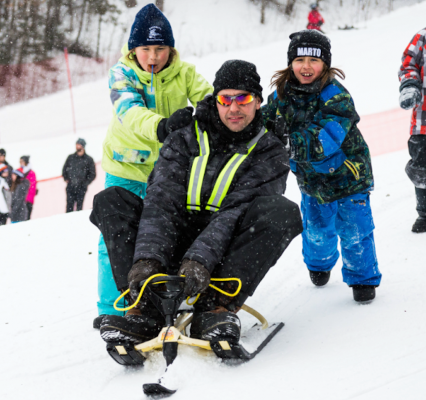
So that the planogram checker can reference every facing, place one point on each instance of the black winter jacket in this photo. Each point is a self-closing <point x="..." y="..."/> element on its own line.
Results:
<point x="263" y="173"/>
<point x="19" y="207"/>
<point x="79" y="170"/>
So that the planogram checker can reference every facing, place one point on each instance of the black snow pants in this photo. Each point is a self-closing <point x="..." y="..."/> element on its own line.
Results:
<point x="268" y="227"/>
<point x="3" y="218"/>
<point x="416" y="170"/>
<point x="75" y="194"/>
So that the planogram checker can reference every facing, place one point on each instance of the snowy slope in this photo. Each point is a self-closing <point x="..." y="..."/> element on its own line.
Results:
<point x="331" y="348"/>
<point x="370" y="56"/>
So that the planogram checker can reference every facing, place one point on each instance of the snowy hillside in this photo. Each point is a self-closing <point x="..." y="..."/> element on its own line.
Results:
<point x="331" y="348"/>
<point x="371" y="72"/>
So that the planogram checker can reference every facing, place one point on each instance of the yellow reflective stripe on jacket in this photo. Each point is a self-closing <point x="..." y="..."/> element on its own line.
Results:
<point x="226" y="176"/>
<point x="197" y="172"/>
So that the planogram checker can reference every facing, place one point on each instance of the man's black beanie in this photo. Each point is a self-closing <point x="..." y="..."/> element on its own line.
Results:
<point x="238" y="75"/>
<point x="309" y="43"/>
<point x="151" y="27"/>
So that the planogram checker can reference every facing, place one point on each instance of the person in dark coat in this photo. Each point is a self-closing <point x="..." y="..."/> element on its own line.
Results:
<point x="79" y="172"/>
<point x="9" y="167"/>
<point x="19" y="189"/>
<point x="214" y="208"/>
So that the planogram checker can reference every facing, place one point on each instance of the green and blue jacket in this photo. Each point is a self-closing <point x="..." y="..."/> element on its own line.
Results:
<point x="328" y="154"/>
<point x="131" y="146"/>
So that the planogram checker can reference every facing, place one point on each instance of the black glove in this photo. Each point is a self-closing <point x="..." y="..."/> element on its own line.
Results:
<point x="140" y="271"/>
<point x="197" y="278"/>
<point x="179" y="119"/>
<point x="409" y="97"/>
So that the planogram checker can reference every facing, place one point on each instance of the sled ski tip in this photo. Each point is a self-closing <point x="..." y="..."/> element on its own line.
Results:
<point x="157" y="391"/>
<point x="125" y="353"/>
<point x="235" y="352"/>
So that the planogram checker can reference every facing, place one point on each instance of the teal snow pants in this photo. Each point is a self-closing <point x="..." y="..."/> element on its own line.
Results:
<point x="107" y="290"/>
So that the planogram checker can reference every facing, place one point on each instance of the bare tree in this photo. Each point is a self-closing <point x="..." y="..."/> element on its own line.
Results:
<point x="286" y="8"/>
<point x="160" y="4"/>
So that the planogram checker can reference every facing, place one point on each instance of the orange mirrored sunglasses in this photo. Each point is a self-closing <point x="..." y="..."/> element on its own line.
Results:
<point x="241" y="99"/>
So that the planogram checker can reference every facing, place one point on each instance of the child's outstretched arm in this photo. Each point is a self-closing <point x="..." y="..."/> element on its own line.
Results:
<point x="412" y="59"/>
<point x="129" y="102"/>
<point x="320" y="142"/>
<point x="197" y="87"/>
<point x="410" y="73"/>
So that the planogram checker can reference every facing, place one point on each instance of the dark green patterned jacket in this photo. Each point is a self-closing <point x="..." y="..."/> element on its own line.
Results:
<point x="328" y="154"/>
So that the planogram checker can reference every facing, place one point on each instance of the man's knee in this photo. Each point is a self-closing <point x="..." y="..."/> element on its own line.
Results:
<point x="115" y="200"/>
<point x="276" y="212"/>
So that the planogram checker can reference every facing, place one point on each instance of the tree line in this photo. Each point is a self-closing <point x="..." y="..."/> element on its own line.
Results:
<point x="34" y="30"/>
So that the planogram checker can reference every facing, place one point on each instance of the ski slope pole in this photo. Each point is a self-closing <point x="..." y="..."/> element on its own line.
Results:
<point x="70" y="86"/>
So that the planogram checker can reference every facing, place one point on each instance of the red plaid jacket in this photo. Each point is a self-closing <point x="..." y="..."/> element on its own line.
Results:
<point x="411" y="72"/>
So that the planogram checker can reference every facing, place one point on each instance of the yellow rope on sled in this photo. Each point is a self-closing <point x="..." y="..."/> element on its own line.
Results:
<point x="187" y="300"/>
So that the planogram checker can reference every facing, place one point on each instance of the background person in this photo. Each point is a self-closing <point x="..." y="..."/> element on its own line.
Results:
<point x="5" y="204"/>
<point x="149" y="88"/>
<point x="31" y="176"/>
<point x="9" y="167"/>
<point x="315" y="18"/>
<point x="413" y="97"/>
<point x="331" y="161"/>
<point x="79" y="172"/>
<point x="19" y="188"/>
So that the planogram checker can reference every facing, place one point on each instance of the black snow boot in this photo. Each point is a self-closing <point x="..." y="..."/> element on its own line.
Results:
<point x="216" y="326"/>
<point x="319" y="278"/>
<point x="135" y="326"/>
<point x="97" y="321"/>
<point x="363" y="293"/>
<point x="420" y="225"/>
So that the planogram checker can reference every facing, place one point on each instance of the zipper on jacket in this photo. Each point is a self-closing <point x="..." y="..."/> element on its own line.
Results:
<point x="352" y="168"/>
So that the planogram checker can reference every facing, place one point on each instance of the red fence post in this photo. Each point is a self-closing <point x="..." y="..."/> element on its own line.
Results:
<point x="70" y="86"/>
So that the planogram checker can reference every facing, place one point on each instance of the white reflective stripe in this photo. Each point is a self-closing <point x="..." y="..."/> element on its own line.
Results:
<point x="256" y="138"/>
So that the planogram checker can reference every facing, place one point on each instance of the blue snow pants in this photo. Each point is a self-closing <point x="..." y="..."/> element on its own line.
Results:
<point x="350" y="219"/>
<point x="107" y="290"/>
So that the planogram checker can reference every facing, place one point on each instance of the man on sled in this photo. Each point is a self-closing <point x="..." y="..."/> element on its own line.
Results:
<point x="214" y="209"/>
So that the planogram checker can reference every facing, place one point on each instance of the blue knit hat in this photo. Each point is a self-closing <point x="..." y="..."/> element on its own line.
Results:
<point x="151" y="27"/>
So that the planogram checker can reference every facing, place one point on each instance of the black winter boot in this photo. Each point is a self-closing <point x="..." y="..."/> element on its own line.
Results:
<point x="135" y="326"/>
<point x="420" y="225"/>
<point x="97" y="321"/>
<point x="364" y="293"/>
<point x="319" y="278"/>
<point x="215" y="326"/>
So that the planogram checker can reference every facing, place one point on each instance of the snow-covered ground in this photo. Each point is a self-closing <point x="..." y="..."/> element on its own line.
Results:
<point x="331" y="348"/>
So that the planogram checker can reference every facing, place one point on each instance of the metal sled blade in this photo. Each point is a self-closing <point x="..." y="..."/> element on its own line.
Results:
<point x="125" y="353"/>
<point x="256" y="338"/>
<point x="157" y="391"/>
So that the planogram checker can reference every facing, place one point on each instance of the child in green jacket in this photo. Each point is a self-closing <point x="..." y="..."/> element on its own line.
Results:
<point x="149" y="88"/>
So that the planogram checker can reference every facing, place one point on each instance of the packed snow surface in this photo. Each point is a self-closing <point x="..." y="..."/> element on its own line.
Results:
<point x="331" y="348"/>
